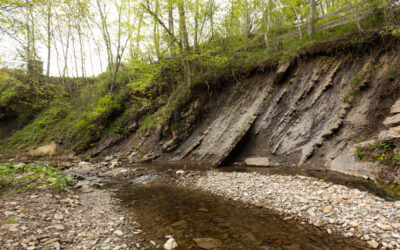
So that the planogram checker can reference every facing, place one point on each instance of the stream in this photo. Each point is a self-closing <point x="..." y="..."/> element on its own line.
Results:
<point x="198" y="219"/>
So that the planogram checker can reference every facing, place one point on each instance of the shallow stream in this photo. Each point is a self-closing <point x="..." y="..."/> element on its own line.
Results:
<point x="199" y="220"/>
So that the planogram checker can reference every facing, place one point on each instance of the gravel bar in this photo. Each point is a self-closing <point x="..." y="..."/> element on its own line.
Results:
<point x="338" y="208"/>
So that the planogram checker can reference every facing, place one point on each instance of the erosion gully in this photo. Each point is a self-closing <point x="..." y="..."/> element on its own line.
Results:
<point x="194" y="217"/>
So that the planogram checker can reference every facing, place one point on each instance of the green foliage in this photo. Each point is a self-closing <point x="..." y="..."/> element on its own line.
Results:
<point x="153" y="121"/>
<point x="25" y="176"/>
<point x="391" y="29"/>
<point x="384" y="153"/>
<point x="360" y="139"/>
<point x="36" y="132"/>
<point x="120" y="131"/>
<point x="90" y="122"/>
<point x="351" y="93"/>
<point x="9" y="220"/>
<point x="361" y="154"/>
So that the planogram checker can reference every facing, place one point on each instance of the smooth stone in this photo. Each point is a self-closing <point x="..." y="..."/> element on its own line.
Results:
<point x="208" y="243"/>
<point x="13" y="228"/>
<point x="179" y="223"/>
<point x="118" y="232"/>
<point x="257" y="161"/>
<point x="384" y="227"/>
<point x="59" y="227"/>
<point x="170" y="244"/>
<point x="353" y="224"/>
<point x="58" y="216"/>
<point x="180" y="172"/>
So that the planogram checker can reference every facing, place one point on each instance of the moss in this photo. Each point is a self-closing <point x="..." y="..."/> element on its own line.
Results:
<point x="392" y="190"/>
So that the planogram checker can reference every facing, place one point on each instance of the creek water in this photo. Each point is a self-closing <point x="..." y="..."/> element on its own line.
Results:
<point x="199" y="220"/>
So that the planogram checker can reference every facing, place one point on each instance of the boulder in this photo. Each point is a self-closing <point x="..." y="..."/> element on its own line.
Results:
<point x="395" y="108"/>
<point x="257" y="161"/>
<point x="392" y="121"/>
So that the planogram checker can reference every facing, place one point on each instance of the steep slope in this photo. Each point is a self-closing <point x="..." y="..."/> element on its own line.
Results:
<point x="307" y="112"/>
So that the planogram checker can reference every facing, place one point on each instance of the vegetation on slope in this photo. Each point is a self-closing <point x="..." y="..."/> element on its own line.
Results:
<point x="141" y="90"/>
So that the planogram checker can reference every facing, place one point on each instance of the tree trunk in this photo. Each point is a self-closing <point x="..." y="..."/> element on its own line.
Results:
<point x="196" y="27"/>
<point x="298" y="19"/>
<point x="268" y="22"/>
<point x="156" y="33"/>
<point x="48" y="40"/>
<point x="171" y="23"/>
<point x="311" y="18"/>
<point x="359" y="28"/>
<point x="184" y="36"/>
<point x="212" y="18"/>
<point x="246" y="26"/>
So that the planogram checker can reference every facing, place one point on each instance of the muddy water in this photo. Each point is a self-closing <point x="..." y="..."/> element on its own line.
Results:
<point x="196" y="219"/>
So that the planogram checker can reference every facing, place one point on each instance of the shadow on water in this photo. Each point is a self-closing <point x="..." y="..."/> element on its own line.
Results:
<point x="196" y="219"/>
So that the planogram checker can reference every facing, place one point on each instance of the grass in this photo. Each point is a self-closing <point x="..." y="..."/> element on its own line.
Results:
<point x="9" y="220"/>
<point x="360" y="139"/>
<point x="383" y="153"/>
<point x="23" y="176"/>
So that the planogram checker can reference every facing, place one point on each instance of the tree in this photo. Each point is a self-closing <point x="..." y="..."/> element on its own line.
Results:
<point x="311" y="17"/>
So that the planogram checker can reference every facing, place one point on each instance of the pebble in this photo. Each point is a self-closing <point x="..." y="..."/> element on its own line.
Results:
<point x="170" y="244"/>
<point x="327" y="209"/>
<point x="373" y="243"/>
<point x="118" y="232"/>
<point x="384" y="227"/>
<point x="353" y="224"/>
<point x="58" y="216"/>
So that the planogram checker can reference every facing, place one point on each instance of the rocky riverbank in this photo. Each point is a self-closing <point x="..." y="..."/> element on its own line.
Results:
<point x="336" y="208"/>
<point x="80" y="217"/>
<point x="87" y="216"/>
